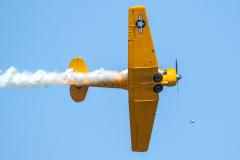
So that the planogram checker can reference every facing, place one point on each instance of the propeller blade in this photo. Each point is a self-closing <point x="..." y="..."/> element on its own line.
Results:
<point x="176" y="67"/>
<point x="177" y="75"/>
<point x="177" y="89"/>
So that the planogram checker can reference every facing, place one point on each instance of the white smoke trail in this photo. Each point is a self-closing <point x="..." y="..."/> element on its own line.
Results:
<point x="13" y="78"/>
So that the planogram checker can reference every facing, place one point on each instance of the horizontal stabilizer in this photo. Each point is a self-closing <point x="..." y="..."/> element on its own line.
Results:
<point x="78" y="93"/>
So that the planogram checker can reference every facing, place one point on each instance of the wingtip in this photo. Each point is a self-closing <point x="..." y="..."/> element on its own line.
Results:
<point x="134" y="7"/>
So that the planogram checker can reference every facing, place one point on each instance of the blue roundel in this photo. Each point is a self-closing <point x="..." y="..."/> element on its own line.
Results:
<point x="140" y="23"/>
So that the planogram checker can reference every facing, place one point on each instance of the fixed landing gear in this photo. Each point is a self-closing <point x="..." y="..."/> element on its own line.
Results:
<point x="157" y="77"/>
<point x="158" y="88"/>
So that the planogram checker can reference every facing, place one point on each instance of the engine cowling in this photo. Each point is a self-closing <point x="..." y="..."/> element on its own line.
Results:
<point x="169" y="77"/>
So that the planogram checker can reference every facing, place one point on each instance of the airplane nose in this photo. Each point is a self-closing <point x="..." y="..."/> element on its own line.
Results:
<point x="179" y="76"/>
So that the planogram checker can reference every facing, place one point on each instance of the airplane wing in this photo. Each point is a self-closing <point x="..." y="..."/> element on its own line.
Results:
<point x="142" y="66"/>
<point x="140" y="45"/>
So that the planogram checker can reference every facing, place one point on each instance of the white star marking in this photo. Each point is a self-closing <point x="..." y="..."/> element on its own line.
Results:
<point x="140" y="24"/>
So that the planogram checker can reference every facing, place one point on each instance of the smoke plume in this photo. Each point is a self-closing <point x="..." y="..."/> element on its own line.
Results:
<point x="14" y="78"/>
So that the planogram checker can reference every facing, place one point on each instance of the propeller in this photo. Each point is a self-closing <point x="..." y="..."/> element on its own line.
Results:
<point x="178" y="76"/>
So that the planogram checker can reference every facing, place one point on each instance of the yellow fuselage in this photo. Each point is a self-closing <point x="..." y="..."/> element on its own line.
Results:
<point x="169" y="79"/>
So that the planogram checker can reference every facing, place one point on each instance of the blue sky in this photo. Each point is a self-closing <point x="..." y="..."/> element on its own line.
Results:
<point x="44" y="123"/>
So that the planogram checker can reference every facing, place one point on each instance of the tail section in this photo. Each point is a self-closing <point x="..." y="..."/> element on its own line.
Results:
<point x="78" y="93"/>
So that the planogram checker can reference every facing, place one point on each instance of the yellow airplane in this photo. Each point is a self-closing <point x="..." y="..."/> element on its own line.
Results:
<point x="144" y="81"/>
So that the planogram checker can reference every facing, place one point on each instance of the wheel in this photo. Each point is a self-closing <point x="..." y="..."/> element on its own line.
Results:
<point x="157" y="77"/>
<point x="158" y="88"/>
<point x="78" y="87"/>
